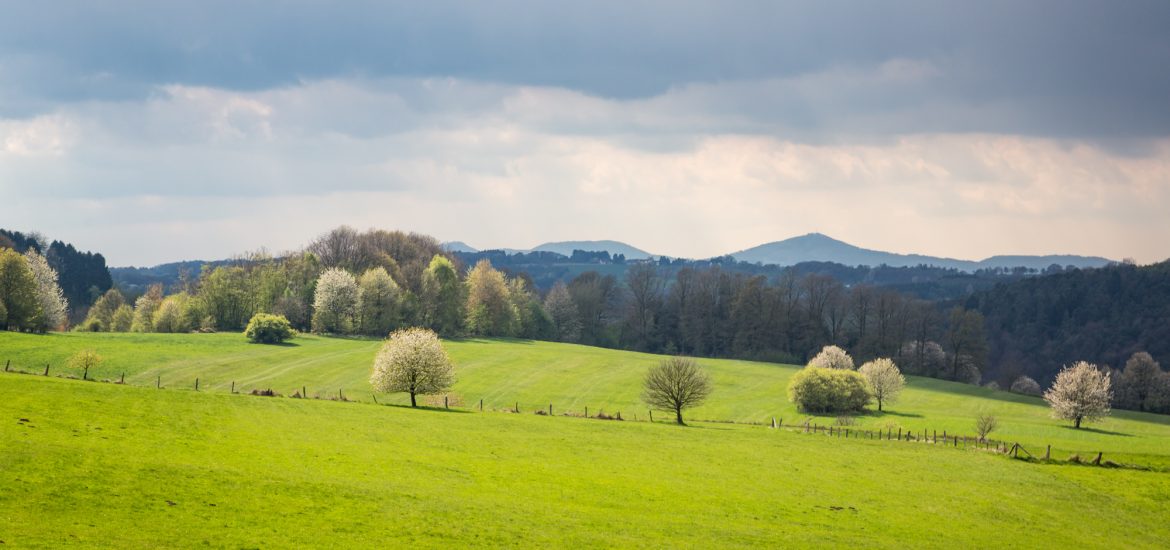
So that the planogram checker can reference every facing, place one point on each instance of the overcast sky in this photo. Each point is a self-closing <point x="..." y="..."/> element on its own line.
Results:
<point x="967" y="129"/>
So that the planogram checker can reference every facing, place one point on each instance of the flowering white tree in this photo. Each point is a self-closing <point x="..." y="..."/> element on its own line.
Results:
<point x="1026" y="385"/>
<point x="50" y="299"/>
<point x="832" y="357"/>
<point x="1081" y="392"/>
<point x="335" y="302"/>
<point x="884" y="379"/>
<point x="413" y="361"/>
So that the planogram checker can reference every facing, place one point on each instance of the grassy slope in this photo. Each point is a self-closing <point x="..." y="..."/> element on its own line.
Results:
<point x="572" y="377"/>
<point x="120" y="466"/>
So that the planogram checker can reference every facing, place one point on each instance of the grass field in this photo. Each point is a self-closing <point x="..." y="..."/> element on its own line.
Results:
<point x="104" y="465"/>
<point x="571" y="377"/>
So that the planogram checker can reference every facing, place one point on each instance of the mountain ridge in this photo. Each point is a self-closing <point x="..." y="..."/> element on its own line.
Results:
<point x="822" y="248"/>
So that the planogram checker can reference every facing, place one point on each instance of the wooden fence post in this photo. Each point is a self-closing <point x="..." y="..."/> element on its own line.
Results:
<point x="6" y="364"/>
<point x="196" y="384"/>
<point x="550" y="409"/>
<point x="158" y="382"/>
<point x="46" y="369"/>
<point x="1048" y="452"/>
<point x="481" y="404"/>
<point x="586" y="411"/>
<point x="517" y="407"/>
<point x="651" y="415"/>
<point x="1097" y="461"/>
<point x="233" y="386"/>
<point x="899" y="434"/>
<point x="123" y="380"/>
<point x="445" y="406"/>
<point x="375" y="396"/>
<point x="773" y="422"/>
<point x="781" y="424"/>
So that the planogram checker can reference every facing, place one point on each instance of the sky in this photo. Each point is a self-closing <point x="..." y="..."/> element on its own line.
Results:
<point x="154" y="132"/>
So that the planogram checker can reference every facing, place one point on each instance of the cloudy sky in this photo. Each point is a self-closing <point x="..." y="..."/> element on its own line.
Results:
<point x="963" y="129"/>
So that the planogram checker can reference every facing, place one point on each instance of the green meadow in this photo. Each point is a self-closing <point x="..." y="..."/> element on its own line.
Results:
<point x="530" y="375"/>
<point x="103" y="465"/>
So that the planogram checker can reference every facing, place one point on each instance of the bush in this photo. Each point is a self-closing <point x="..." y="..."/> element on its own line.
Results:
<point x="265" y="328"/>
<point x="816" y="389"/>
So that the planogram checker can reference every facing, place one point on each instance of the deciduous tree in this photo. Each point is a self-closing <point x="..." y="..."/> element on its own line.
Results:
<point x="885" y="380"/>
<point x="563" y="313"/>
<point x="335" y="302"/>
<point x="378" y="303"/>
<point x="51" y="304"/>
<point x="413" y="361"/>
<point x="832" y="357"/>
<point x="489" y="309"/>
<point x="1080" y="393"/>
<point x="83" y="361"/>
<point x="675" y="384"/>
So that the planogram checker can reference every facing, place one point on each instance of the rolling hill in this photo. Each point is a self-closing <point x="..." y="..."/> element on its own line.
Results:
<point x="566" y="248"/>
<point x="531" y="375"/>
<point x="816" y="247"/>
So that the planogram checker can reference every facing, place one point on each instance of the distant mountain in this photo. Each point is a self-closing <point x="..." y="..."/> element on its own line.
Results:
<point x="459" y="246"/>
<point x="613" y="247"/>
<point x="816" y="247"/>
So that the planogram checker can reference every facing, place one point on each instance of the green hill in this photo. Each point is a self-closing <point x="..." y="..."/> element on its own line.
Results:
<point x="103" y="465"/>
<point x="534" y="375"/>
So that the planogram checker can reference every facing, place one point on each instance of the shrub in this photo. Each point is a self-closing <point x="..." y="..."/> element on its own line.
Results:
<point x="817" y="389"/>
<point x="265" y="328"/>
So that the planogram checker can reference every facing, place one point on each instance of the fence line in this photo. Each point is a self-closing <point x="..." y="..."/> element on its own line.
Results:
<point x="840" y="432"/>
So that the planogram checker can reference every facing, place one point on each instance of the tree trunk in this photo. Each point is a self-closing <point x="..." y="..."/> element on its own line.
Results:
<point x="1078" y="423"/>
<point x="879" y="405"/>
<point x="412" y="403"/>
<point x="678" y="416"/>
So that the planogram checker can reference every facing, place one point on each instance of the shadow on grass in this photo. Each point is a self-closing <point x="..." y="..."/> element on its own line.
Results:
<point x="880" y="414"/>
<point x="425" y="408"/>
<point x="280" y="344"/>
<point x="1097" y="431"/>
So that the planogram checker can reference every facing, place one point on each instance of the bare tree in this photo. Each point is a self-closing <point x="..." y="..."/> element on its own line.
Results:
<point x="1081" y="392"/>
<point x="675" y="384"/>
<point x="985" y="424"/>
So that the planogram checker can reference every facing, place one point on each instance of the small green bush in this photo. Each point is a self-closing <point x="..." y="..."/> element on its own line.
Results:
<point x="265" y="328"/>
<point x="823" y="390"/>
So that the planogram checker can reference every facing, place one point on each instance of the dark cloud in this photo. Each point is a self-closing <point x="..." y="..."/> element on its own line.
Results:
<point x="1054" y="68"/>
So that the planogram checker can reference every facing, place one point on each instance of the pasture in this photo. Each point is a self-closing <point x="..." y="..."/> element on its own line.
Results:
<point x="531" y="375"/>
<point x="105" y="465"/>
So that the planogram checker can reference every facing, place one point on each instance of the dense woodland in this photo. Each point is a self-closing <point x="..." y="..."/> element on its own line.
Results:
<point x="349" y="282"/>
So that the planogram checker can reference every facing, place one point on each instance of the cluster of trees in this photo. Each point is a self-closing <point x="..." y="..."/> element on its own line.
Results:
<point x="82" y="276"/>
<point x="31" y="300"/>
<point x="829" y="383"/>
